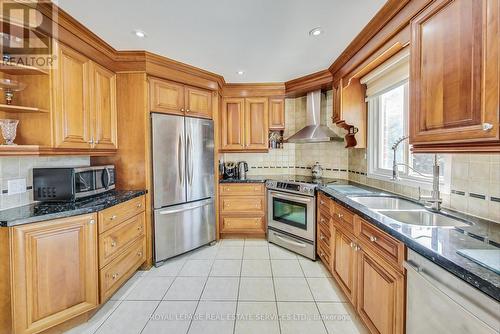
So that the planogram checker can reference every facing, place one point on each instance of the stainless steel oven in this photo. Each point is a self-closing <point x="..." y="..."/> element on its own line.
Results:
<point x="292" y="218"/>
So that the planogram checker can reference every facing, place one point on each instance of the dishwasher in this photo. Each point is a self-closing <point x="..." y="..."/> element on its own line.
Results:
<point x="439" y="302"/>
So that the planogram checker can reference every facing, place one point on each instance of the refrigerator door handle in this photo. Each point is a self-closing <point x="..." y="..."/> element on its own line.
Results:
<point x="179" y="159"/>
<point x="190" y="159"/>
<point x="202" y="203"/>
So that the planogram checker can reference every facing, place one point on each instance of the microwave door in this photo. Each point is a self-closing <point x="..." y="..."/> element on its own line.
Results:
<point x="199" y="158"/>
<point x="169" y="177"/>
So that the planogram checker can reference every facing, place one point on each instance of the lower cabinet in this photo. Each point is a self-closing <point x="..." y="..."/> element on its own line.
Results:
<point x="380" y="295"/>
<point x="61" y="269"/>
<point x="367" y="265"/>
<point x="54" y="272"/>
<point x="242" y="208"/>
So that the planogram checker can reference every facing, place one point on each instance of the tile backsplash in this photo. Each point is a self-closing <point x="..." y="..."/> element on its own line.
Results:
<point x="474" y="183"/>
<point x="298" y="158"/>
<point x="12" y="168"/>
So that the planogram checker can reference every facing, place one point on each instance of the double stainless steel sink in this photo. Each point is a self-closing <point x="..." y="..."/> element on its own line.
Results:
<point x="407" y="212"/>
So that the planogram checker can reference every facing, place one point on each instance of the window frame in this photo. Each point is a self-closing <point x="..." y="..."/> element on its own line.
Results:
<point x="373" y="145"/>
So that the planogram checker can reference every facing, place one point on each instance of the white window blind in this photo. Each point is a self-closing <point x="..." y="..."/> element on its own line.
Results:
<point x="394" y="70"/>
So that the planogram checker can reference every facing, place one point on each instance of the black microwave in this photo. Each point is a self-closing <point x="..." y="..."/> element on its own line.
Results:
<point x="72" y="183"/>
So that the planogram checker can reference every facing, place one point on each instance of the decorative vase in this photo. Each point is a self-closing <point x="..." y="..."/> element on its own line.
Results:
<point x="9" y="87"/>
<point x="9" y="129"/>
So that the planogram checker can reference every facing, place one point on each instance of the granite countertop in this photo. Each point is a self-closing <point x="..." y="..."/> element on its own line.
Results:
<point x="249" y="179"/>
<point x="41" y="211"/>
<point x="438" y="244"/>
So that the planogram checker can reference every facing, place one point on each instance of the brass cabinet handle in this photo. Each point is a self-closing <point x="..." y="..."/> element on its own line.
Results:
<point x="373" y="239"/>
<point x="92" y="221"/>
<point x="321" y="237"/>
<point x="113" y="243"/>
<point x="115" y="276"/>
<point x="139" y="205"/>
<point x="113" y="217"/>
<point x="352" y="245"/>
<point x="487" y="126"/>
<point x="321" y="202"/>
<point x="340" y="215"/>
<point x="322" y="220"/>
<point x="182" y="109"/>
<point x="188" y="110"/>
<point x="139" y="228"/>
<point x="139" y="253"/>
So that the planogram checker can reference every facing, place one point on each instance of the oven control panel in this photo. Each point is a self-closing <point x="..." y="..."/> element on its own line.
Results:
<point x="306" y="189"/>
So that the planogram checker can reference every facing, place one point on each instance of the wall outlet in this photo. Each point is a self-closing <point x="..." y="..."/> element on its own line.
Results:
<point x="17" y="186"/>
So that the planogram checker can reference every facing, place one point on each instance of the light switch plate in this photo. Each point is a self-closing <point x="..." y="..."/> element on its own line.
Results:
<point x="16" y="186"/>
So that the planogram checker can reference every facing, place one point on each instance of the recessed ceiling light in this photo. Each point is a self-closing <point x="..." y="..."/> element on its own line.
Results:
<point x="139" y="33"/>
<point x="241" y="72"/>
<point x="316" y="31"/>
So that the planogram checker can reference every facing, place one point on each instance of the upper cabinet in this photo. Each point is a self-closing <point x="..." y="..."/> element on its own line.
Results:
<point x="85" y="103"/>
<point x="174" y="98"/>
<point x="276" y="114"/>
<point x="454" y="77"/>
<point x="245" y="124"/>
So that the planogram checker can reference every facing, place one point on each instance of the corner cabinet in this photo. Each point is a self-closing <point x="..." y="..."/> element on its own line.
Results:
<point x="454" y="77"/>
<point x="245" y="124"/>
<point x="85" y="115"/>
<point x="53" y="286"/>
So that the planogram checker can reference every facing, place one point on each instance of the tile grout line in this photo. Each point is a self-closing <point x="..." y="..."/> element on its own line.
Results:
<point x="274" y="289"/>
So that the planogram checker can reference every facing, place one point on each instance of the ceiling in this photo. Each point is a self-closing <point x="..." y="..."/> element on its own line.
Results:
<point x="267" y="39"/>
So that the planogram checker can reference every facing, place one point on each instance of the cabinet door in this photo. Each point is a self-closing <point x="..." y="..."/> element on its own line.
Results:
<point x="344" y="264"/>
<point x="381" y="293"/>
<point x="232" y="127"/>
<point x="103" y="101"/>
<point x="198" y="102"/>
<point x="454" y="75"/>
<point x="72" y="112"/>
<point x="276" y="114"/>
<point x="166" y="96"/>
<point x="256" y="123"/>
<point x="54" y="266"/>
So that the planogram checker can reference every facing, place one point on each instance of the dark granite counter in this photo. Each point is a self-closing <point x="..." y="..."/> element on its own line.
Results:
<point x="249" y="179"/>
<point x="41" y="211"/>
<point x="438" y="244"/>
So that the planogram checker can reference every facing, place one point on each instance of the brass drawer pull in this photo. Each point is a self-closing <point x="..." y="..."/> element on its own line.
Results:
<point x="113" y="243"/>
<point x="139" y="253"/>
<point x="322" y="220"/>
<point x="373" y="239"/>
<point x="321" y="202"/>
<point x="92" y="221"/>
<point x="115" y="276"/>
<point x="113" y="217"/>
<point x="139" y="205"/>
<point x="340" y="215"/>
<point x="321" y="237"/>
<point x="352" y="245"/>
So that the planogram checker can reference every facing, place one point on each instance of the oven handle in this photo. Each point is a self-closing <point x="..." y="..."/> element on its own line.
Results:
<point x="290" y="197"/>
<point x="291" y="242"/>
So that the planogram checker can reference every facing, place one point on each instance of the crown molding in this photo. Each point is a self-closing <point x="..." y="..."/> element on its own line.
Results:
<point x="253" y="89"/>
<point x="300" y="86"/>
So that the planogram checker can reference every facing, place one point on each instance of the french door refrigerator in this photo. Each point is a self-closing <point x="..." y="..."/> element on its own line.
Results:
<point x="183" y="181"/>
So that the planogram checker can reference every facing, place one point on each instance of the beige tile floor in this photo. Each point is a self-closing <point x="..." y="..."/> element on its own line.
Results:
<point x="237" y="286"/>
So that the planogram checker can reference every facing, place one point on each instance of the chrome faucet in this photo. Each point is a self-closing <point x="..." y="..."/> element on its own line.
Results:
<point x="435" y="198"/>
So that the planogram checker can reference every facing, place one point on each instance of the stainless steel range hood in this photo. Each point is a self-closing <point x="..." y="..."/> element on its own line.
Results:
<point x="314" y="131"/>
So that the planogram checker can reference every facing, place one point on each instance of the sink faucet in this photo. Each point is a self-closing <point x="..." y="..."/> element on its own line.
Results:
<point x="435" y="198"/>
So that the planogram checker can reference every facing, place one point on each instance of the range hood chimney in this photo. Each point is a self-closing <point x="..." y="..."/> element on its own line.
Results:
<point x="314" y="131"/>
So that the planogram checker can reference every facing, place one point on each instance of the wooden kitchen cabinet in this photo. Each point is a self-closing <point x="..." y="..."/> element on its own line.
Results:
<point x="103" y="103"/>
<point x="72" y="104"/>
<point x="174" y="98"/>
<point x="276" y="114"/>
<point x="366" y="262"/>
<point x="54" y="271"/>
<point x="85" y="112"/>
<point x="344" y="264"/>
<point x="454" y="77"/>
<point x="256" y="123"/>
<point x="242" y="209"/>
<point x="380" y="299"/>
<point x="233" y="124"/>
<point x="245" y="124"/>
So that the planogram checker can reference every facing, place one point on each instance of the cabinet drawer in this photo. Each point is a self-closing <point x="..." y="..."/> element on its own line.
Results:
<point x="325" y="204"/>
<point x="389" y="248"/>
<point x="324" y="237"/>
<point x="113" y="241"/>
<point x="119" y="213"/>
<point x="344" y="218"/>
<point x="242" y="204"/>
<point x="120" y="269"/>
<point x="243" y="224"/>
<point x="247" y="189"/>
<point x="324" y="221"/>
<point x="324" y="254"/>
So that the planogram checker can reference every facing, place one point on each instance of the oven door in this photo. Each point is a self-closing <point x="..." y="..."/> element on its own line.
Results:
<point x="292" y="213"/>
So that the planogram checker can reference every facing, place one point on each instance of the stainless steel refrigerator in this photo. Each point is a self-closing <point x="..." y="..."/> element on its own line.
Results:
<point x="183" y="180"/>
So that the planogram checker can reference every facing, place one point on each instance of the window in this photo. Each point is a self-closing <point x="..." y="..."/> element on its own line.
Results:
<point x="387" y="97"/>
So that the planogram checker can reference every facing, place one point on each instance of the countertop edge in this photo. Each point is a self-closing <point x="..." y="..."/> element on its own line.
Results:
<point x="127" y="195"/>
